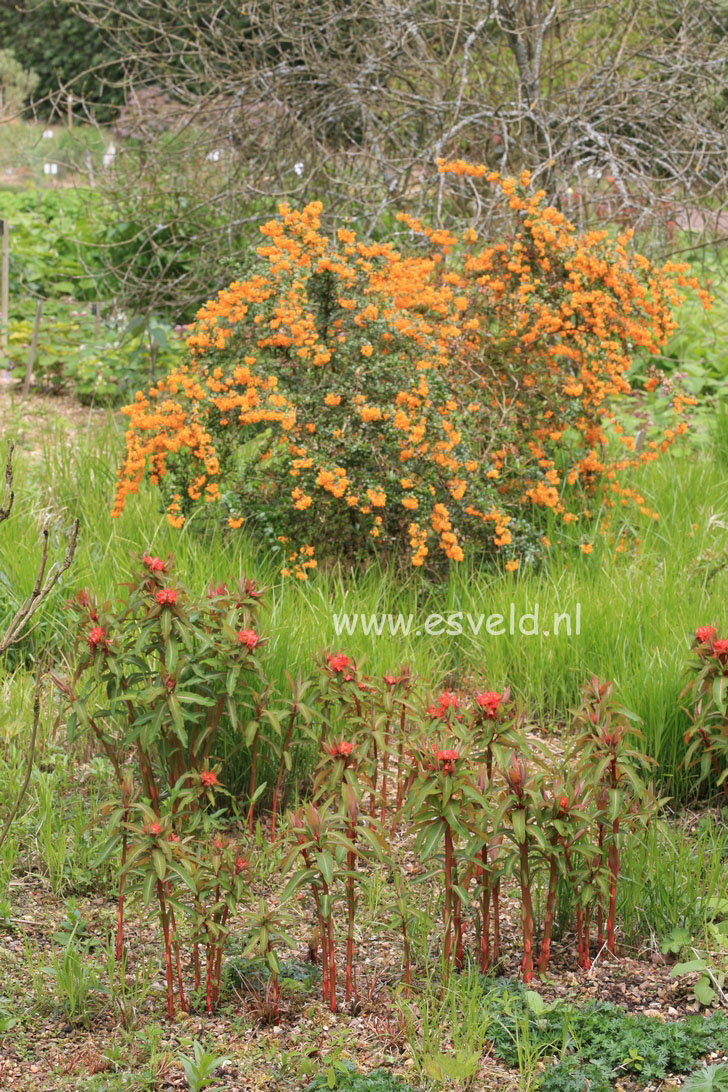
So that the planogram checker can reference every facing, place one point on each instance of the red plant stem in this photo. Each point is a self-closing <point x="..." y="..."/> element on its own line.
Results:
<point x="385" y="767"/>
<point x="350" y="868"/>
<point x="322" y="931"/>
<point x="373" y="793"/>
<point x="496" y="921"/>
<point x="147" y="773"/>
<point x="457" y="922"/>
<point x="580" y="934"/>
<point x="587" y="943"/>
<point x="332" y="955"/>
<point x="548" y="923"/>
<point x="332" y="964"/>
<point x="167" y="949"/>
<point x="526" y="913"/>
<point x="400" y="762"/>
<point x="122" y="885"/>
<point x="485" y="929"/>
<point x="600" y="909"/>
<point x="208" y="975"/>
<point x="276" y="989"/>
<point x="447" y="945"/>
<point x="405" y="939"/>
<point x="613" y="857"/>
<point x="281" y="767"/>
<point x="325" y="984"/>
<point x="217" y="970"/>
<point x="579" y="910"/>
<point x="196" y="961"/>
<point x="406" y="785"/>
<point x="253" y="773"/>
<point x="178" y="961"/>
<point x="614" y="876"/>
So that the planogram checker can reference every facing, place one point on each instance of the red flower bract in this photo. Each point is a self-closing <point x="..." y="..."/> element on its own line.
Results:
<point x="342" y="749"/>
<point x="720" y="650"/>
<point x="154" y="564"/>
<point x="446" y="758"/>
<point x="155" y="828"/>
<point x="166" y="597"/>
<point x="337" y="662"/>
<point x="447" y="700"/>
<point x="705" y="634"/>
<point x="489" y="701"/>
<point x="96" y="637"/>
<point x="240" y="865"/>
<point x="209" y="778"/>
<point x="248" y="637"/>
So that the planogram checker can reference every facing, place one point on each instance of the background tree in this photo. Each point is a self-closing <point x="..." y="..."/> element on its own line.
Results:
<point x="619" y="111"/>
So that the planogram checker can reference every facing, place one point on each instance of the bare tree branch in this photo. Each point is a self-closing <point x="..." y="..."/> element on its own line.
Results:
<point x="9" y="496"/>
<point x="44" y="582"/>
<point x="31" y="756"/>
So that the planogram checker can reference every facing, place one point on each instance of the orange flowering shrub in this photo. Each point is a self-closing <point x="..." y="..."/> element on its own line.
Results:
<point x="350" y="399"/>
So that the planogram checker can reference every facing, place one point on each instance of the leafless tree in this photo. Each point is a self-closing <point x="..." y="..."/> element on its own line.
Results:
<point x="619" y="110"/>
<point x="46" y="580"/>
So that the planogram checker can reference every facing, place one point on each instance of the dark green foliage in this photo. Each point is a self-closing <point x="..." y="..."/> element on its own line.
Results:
<point x="598" y="1043"/>
<point x="348" y="1079"/>
<point x="243" y="973"/>
<point x="56" y="43"/>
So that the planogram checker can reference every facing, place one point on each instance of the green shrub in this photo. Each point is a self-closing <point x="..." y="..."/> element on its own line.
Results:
<point x="16" y="84"/>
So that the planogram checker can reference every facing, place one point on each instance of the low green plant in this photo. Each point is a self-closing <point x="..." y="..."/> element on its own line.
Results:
<point x="128" y="987"/>
<point x="340" y="1074"/>
<point x="200" y="1067"/>
<point x="618" y="1040"/>
<point x="76" y="983"/>
<point x="711" y="1078"/>
<point x="447" y="1029"/>
<point x="710" y="958"/>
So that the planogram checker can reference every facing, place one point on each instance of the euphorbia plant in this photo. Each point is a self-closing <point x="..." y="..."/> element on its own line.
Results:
<point x="520" y="810"/>
<point x="155" y="679"/>
<point x="707" y="694"/>
<point x="565" y="822"/>
<point x="496" y="728"/>
<point x="180" y="854"/>
<point x="268" y="932"/>
<point x="612" y="768"/>
<point x="319" y="838"/>
<point x="363" y="710"/>
<point x="439" y="809"/>
<point x="328" y="842"/>
<point x="297" y="710"/>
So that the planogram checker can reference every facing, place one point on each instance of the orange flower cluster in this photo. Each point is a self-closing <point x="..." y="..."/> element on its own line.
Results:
<point x="470" y="384"/>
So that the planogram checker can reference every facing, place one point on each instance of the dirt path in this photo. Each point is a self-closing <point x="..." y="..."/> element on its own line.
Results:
<point x="29" y="420"/>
